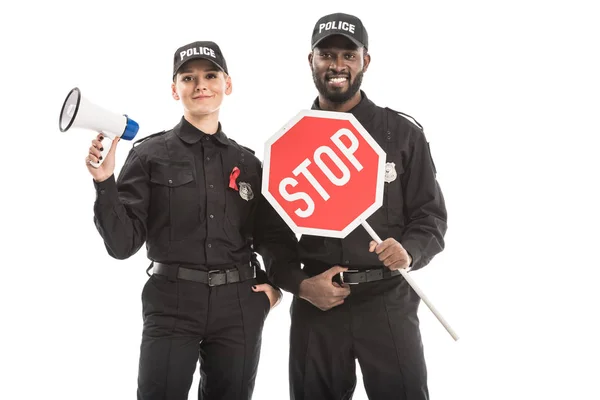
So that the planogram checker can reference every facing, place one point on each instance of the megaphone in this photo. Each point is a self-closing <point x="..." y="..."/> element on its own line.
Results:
<point x="78" y="112"/>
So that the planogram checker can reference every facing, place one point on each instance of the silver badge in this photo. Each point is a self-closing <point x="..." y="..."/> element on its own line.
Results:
<point x="390" y="172"/>
<point x="246" y="191"/>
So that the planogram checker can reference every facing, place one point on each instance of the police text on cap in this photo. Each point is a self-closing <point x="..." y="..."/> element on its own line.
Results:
<point x="339" y="25"/>
<point x="197" y="51"/>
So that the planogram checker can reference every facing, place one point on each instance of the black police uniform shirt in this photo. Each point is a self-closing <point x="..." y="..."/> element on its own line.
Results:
<point x="413" y="211"/>
<point x="173" y="193"/>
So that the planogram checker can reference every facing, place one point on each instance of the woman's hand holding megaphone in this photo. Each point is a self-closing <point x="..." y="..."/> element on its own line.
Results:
<point x="107" y="167"/>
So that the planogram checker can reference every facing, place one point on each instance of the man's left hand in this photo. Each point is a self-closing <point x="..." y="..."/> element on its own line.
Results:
<point x="273" y="294"/>
<point x="391" y="253"/>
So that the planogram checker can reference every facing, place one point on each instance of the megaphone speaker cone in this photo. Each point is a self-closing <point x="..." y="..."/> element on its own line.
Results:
<point x="69" y="110"/>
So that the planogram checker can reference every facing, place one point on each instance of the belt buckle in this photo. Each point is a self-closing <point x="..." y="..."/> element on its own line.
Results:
<point x="342" y="277"/>
<point x="214" y="272"/>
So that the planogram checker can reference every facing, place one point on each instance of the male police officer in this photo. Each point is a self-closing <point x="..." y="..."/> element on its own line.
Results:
<point x="371" y="313"/>
<point x="193" y="195"/>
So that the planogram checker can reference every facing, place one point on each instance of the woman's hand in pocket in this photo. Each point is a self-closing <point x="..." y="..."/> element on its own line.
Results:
<point x="273" y="294"/>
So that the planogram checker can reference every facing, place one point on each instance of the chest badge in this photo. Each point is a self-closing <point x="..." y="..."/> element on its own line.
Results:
<point x="246" y="191"/>
<point x="390" y="172"/>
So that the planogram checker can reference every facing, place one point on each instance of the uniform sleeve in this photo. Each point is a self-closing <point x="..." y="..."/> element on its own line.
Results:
<point x="426" y="216"/>
<point x="278" y="246"/>
<point x="121" y="208"/>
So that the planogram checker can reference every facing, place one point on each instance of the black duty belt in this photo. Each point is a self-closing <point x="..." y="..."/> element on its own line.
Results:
<point x="354" y="276"/>
<point x="211" y="278"/>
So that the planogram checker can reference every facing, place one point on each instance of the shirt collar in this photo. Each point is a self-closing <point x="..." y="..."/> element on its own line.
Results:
<point x="363" y="111"/>
<point x="190" y="134"/>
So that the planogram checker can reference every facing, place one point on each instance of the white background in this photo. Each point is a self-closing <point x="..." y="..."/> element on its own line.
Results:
<point x="508" y="93"/>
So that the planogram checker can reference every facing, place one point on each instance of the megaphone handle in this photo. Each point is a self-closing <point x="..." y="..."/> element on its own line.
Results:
<point x="106" y="144"/>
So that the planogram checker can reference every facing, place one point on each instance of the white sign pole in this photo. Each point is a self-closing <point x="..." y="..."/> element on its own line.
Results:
<point x="412" y="283"/>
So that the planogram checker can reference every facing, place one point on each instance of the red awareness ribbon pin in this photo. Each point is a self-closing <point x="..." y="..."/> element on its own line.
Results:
<point x="232" y="177"/>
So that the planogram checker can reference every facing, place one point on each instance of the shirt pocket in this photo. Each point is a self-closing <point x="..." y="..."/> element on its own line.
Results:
<point x="240" y="204"/>
<point x="175" y="192"/>
<point x="393" y="199"/>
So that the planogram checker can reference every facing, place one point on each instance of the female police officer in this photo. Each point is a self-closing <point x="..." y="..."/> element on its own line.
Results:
<point x="193" y="195"/>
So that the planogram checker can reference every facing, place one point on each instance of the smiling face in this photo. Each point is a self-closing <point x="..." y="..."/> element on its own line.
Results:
<point x="338" y="66"/>
<point x="201" y="86"/>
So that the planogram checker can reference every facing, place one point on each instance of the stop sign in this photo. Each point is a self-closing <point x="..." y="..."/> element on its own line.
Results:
<point x="323" y="173"/>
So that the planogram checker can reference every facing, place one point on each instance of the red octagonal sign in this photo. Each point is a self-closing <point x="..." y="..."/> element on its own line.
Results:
<point x="323" y="173"/>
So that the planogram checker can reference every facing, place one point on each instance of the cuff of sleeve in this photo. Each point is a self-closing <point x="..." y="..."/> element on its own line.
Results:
<point x="106" y="191"/>
<point x="294" y="280"/>
<point x="261" y="277"/>
<point x="415" y="254"/>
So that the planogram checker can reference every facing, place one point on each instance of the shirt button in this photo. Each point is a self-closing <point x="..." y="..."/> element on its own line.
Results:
<point x="212" y="216"/>
<point x="101" y="191"/>
<point x="207" y="158"/>
<point x="347" y="262"/>
<point x="209" y="245"/>
<point x="170" y="180"/>
<point x="211" y="186"/>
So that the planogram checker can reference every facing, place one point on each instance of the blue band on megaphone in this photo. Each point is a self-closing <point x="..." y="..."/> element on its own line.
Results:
<point x="130" y="130"/>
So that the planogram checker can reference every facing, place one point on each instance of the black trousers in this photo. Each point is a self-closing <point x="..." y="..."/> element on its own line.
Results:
<point x="186" y="322"/>
<point x="378" y="328"/>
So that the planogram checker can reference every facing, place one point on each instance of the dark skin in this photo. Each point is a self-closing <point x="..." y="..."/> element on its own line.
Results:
<point x="337" y="57"/>
<point x="338" y="65"/>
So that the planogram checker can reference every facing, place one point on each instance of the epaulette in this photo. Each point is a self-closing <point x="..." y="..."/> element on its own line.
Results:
<point x="416" y="123"/>
<point x="244" y="147"/>
<point x="146" y="137"/>
<point x="411" y="119"/>
<point x="249" y="149"/>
